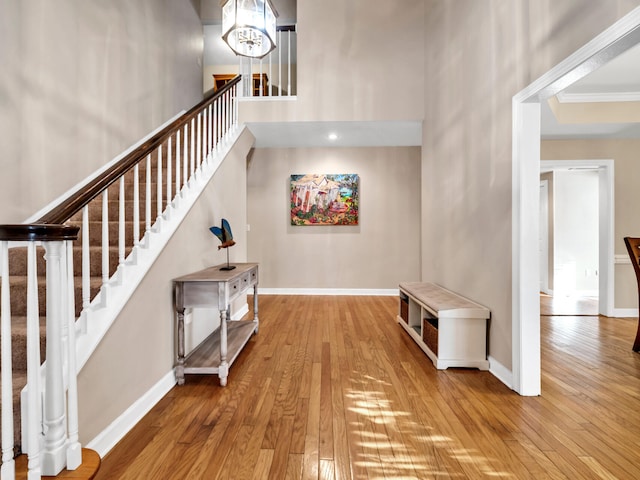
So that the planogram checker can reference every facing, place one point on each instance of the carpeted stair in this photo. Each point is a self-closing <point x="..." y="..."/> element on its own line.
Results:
<point x="18" y="269"/>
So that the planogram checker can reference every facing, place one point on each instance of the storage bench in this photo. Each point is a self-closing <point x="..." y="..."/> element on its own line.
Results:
<point x="450" y="329"/>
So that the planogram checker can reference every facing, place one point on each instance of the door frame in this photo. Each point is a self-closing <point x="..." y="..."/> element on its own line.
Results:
<point x="618" y="38"/>
<point x="606" y="225"/>
<point x="544" y="235"/>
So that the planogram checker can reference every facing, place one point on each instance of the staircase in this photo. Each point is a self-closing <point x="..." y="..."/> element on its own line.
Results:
<point x="116" y="214"/>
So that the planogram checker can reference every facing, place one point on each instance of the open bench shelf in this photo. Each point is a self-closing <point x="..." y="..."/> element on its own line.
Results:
<point x="450" y="329"/>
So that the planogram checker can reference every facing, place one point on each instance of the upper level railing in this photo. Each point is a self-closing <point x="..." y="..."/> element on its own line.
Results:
<point x="103" y="234"/>
<point x="276" y="74"/>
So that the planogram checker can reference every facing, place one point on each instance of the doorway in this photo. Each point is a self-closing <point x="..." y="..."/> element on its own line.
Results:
<point x="620" y="37"/>
<point x="580" y="266"/>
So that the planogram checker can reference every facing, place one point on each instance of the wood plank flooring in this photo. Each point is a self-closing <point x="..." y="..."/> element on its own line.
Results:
<point x="333" y="388"/>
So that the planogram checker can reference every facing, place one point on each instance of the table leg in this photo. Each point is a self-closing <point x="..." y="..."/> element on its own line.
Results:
<point x="255" y="307"/>
<point x="180" y="360"/>
<point x="223" y="369"/>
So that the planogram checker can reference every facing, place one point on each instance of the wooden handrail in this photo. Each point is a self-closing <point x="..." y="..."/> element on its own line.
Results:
<point x="61" y="213"/>
<point x="36" y="232"/>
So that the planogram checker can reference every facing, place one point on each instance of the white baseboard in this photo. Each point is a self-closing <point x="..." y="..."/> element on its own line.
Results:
<point x="111" y="435"/>
<point x="387" y="292"/>
<point x="501" y="372"/>
<point x="241" y="312"/>
<point x="625" y="312"/>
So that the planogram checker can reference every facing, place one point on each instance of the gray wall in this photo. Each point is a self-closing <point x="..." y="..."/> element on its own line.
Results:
<point x="380" y="252"/>
<point x="81" y="82"/>
<point x="479" y="54"/>
<point x="138" y="350"/>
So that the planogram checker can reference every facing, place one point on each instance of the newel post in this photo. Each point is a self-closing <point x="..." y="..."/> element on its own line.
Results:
<point x="54" y="454"/>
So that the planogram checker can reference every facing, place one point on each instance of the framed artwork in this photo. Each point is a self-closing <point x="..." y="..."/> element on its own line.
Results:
<point x="329" y="199"/>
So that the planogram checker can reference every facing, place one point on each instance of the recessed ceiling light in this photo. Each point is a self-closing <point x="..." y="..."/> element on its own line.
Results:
<point x="333" y="136"/>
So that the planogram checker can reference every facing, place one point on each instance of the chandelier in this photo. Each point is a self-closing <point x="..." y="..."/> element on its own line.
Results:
<point x="249" y="27"/>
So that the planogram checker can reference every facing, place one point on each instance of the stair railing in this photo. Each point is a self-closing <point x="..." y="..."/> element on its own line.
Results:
<point x="173" y="159"/>
<point x="274" y="75"/>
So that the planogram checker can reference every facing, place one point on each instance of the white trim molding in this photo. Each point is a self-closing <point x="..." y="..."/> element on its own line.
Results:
<point x="617" y="39"/>
<point x="611" y="97"/>
<point x="382" y="292"/>
<point x="501" y="372"/>
<point x="110" y="436"/>
<point x="620" y="259"/>
<point x="625" y="312"/>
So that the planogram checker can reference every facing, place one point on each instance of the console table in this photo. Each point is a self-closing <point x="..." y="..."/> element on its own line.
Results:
<point x="214" y="287"/>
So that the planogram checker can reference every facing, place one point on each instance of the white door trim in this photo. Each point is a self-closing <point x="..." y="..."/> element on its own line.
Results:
<point x="544" y="236"/>
<point x="606" y="225"/>
<point x="618" y="38"/>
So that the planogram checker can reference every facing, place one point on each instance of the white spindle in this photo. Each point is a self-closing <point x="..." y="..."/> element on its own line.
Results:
<point x="169" y="173"/>
<point x="215" y="124"/>
<point x="205" y="135"/>
<point x="105" y="240"/>
<point x="121" y="224"/>
<point x="8" y="466"/>
<point x="289" y="63"/>
<point x="185" y="154"/>
<point x="178" y="164"/>
<point x="260" y="82"/>
<point x="147" y="197"/>
<point x="210" y="129"/>
<point x="192" y="160"/>
<point x="54" y="454"/>
<point x="270" y="74"/>
<point x="74" y="450"/>
<point x="223" y="118"/>
<point x="136" y="205"/>
<point x="86" y="269"/>
<point x="159" y="186"/>
<point x="199" y="140"/>
<point x="280" y="63"/>
<point x="34" y="391"/>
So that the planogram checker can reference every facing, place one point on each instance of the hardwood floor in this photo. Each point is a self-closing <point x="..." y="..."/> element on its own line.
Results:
<point x="572" y="305"/>
<point x="332" y="387"/>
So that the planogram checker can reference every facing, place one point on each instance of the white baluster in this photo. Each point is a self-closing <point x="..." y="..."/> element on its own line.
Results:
<point x="169" y="174"/>
<point x="280" y="63"/>
<point x="199" y="141"/>
<point x="185" y="155"/>
<point x="289" y="63"/>
<point x="86" y="269"/>
<point x="210" y="129"/>
<point x="121" y="228"/>
<point x="159" y="188"/>
<point x="205" y="125"/>
<point x="105" y="247"/>
<point x="192" y="160"/>
<point x="54" y="455"/>
<point x="8" y="466"/>
<point x="147" y="200"/>
<point x="215" y="124"/>
<point x="34" y="390"/>
<point x="270" y="75"/>
<point x="178" y="168"/>
<point x="74" y="449"/>
<point x="136" y="205"/>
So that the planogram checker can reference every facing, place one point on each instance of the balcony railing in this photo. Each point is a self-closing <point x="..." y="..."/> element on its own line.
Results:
<point x="275" y="75"/>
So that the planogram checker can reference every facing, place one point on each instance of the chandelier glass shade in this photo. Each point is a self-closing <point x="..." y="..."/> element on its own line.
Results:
<point x="249" y="27"/>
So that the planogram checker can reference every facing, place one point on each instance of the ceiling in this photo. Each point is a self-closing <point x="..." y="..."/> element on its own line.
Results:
<point x="617" y="81"/>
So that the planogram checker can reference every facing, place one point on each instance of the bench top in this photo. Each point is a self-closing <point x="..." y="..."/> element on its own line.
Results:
<point x="443" y="302"/>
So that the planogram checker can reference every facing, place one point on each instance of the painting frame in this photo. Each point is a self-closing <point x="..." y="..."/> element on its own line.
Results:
<point x="324" y="199"/>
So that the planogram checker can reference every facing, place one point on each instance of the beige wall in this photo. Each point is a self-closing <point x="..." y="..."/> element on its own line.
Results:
<point x="357" y="60"/>
<point x="81" y="82"/>
<point x="383" y="250"/>
<point x="626" y="159"/>
<point x="138" y="349"/>
<point x="478" y="55"/>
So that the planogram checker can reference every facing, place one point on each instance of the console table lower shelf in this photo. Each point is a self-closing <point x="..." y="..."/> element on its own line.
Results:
<point x="206" y="357"/>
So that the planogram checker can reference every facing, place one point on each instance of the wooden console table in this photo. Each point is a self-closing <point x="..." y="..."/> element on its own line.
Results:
<point x="213" y="287"/>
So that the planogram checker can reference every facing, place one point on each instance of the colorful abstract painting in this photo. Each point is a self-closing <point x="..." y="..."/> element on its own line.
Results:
<point x="324" y="199"/>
